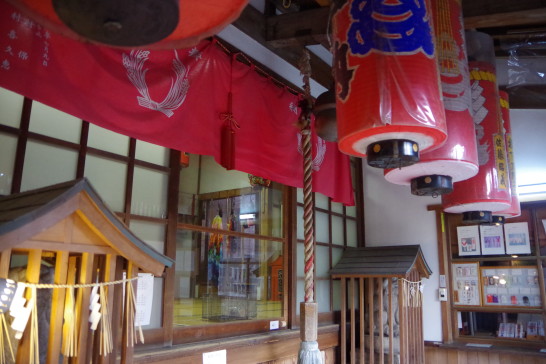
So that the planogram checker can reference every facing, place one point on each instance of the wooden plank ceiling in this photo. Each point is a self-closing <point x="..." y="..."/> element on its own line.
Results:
<point x="288" y="25"/>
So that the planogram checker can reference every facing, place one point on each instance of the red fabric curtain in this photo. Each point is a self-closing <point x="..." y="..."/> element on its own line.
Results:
<point x="173" y="98"/>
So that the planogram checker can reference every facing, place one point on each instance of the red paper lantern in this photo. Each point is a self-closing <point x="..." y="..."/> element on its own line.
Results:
<point x="156" y="24"/>
<point x="457" y="159"/>
<point x="489" y="190"/>
<point x="387" y="83"/>
<point x="515" y="208"/>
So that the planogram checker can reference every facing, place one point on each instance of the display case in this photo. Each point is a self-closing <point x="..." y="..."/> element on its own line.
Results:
<point x="498" y="295"/>
<point x="510" y="286"/>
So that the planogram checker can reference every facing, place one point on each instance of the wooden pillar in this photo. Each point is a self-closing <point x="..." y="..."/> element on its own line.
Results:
<point x="370" y="320"/>
<point x="32" y="276"/>
<point x="379" y="291"/>
<point x="82" y="306"/>
<point x="361" y="307"/>
<point x="353" y="319"/>
<point x="390" y="312"/>
<point x="343" y="323"/>
<point x="57" y="308"/>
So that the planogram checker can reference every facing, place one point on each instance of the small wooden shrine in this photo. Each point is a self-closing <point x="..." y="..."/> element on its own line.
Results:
<point x="66" y="236"/>
<point x="381" y="304"/>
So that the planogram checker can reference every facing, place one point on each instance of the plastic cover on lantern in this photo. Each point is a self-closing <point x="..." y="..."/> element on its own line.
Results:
<point x="387" y="82"/>
<point x="489" y="190"/>
<point x="515" y="208"/>
<point x="457" y="159"/>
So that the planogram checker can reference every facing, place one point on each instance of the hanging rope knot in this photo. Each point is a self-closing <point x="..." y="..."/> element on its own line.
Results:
<point x="229" y="120"/>
<point x="227" y="117"/>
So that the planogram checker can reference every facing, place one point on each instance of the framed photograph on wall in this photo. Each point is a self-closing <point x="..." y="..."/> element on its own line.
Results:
<point x="492" y="239"/>
<point x="517" y="238"/>
<point x="468" y="238"/>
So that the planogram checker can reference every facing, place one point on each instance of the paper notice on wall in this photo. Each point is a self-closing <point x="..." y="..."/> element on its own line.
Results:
<point x="215" y="357"/>
<point x="144" y="298"/>
<point x="544" y="224"/>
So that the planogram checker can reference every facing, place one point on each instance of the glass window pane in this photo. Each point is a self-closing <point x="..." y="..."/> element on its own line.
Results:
<point x="188" y="191"/>
<point x="300" y="234"/>
<point x="151" y="233"/>
<point x="336" y="294"/>
<point x="321" y="201"/>
<point x="299" y="195"/>
<point x="222" y="278"/>
<point x="322" y="261"/>
<point x="351" y="211"/>
<point x="321" y="227"/>
<point x="11" y="105"/>
<point x="54" y="123"/>
<point x="108" y="178"/>
<point x="351" y="233"/>
<point x="215" y="178"/>
<point x="157" y="305"/>
<point x="152" y="153"/>
<point x="337" y="207"/>
<point x="8" y="148"/>
<point x="322" y="293"/>
<point x="337" y="230"/>
<point x="225" y="200"/>
<point x="107" y="140"/>
<point x="300" y="294"/>
<point x="149" y="193"/>
<point x="336" y="256"/>
<point x="46" y="165"/>
<point x="300" y="260"/>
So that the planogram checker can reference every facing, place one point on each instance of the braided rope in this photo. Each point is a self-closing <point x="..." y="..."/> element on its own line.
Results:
<point x="82" y="285"/>
<point x="305" y="122"/>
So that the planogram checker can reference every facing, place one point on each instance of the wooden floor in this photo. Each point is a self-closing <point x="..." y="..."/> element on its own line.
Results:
<point x="435" y="355"/>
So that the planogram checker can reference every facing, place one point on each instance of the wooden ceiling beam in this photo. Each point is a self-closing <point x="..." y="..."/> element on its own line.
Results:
<point x="253" y="23"/>
<point x="509" y="19"/>
<point x="293" y="29"/>
<point x="527" y="97"/>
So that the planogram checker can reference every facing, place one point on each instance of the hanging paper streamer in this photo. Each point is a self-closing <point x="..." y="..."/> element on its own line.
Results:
<point x="515" y="208"/>
<point x="457" y="159"/>
<point x="70" y="330"/>
<point x="413" y="293"/>
<point x="106" y="344"/>
<point x="22" y="310"/>
<point x="7" y="291"/>
<point x="387" y="82"/>
<point x="130" y="309"/>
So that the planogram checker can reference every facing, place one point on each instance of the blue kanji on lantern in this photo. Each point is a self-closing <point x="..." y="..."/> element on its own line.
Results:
<point x="390" y="26"/>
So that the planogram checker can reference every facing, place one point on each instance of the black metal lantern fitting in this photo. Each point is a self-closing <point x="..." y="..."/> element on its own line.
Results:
<point x="392" y="153"/>
<point x="477" y="217"/>
<point x="120" y="22"/>
<point x="433" y="185"/>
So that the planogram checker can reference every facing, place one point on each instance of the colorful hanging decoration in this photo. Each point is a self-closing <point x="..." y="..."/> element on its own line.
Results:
<point x="457" y="159"/>
<point x="387" y="83"/>
<point x="159" y="24"/>
<point x="256" y="181"/>
<point x="489" y="190"/>
<point x="515" y="208"/>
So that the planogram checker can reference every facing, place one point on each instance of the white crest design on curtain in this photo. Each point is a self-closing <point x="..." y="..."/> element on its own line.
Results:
<point x="134" y="63"/>
<point x="321" y="152"/>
